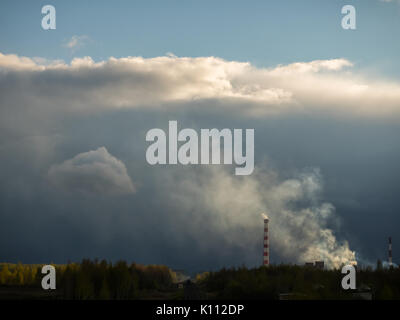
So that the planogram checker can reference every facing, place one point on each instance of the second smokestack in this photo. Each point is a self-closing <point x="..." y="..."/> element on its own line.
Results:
<point x="266" y="242"/>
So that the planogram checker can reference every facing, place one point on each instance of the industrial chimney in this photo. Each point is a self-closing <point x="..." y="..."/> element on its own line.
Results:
<point x="390" y="252"/>
<point x="266" y="242"/>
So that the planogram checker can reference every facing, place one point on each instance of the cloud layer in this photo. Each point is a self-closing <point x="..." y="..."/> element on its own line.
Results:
<point x="323" y="113"/>
<point x="326" y="86"/>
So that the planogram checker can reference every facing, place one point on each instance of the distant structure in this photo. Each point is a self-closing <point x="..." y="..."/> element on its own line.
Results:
<point x="390" y="252"/>
<point x="266" y="242"/>
<point x="317" y="265"/>
<point x="362" y="293"/>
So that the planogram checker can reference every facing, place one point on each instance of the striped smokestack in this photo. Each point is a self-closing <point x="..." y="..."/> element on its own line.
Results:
<point x="390" y="252"/>
<point x="266" y="242"/>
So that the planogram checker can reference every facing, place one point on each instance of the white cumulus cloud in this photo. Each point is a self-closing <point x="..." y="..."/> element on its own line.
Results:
<point x="76" y="42"/>
<point x="92" y="172"/>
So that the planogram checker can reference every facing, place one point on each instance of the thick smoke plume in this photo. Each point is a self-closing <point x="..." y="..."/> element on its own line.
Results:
<point x="299" y="221"/>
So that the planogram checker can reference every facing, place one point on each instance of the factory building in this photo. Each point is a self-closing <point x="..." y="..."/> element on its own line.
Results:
<point x="317" y="265"/>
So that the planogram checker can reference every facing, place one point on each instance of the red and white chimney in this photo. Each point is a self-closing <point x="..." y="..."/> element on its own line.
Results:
<point x="390" y="252"/>
<point x="266" y="242"/>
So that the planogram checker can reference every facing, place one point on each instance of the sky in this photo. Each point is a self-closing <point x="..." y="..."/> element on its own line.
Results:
<point x="76" y="103"/>
<point x="264" y="33"/>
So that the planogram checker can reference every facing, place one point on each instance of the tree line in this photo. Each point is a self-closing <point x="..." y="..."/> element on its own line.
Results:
<point x="93" y="279"/>
<point x="300" y="282"/>
<point x="105" y="280"/>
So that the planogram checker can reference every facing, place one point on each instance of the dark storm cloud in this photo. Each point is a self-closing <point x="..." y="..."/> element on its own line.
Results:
<point x="52" y="114"/>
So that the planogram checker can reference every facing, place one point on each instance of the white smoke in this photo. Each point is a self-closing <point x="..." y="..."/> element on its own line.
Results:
<point x="386" y="265"/>
<point x="298" y="218"/>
